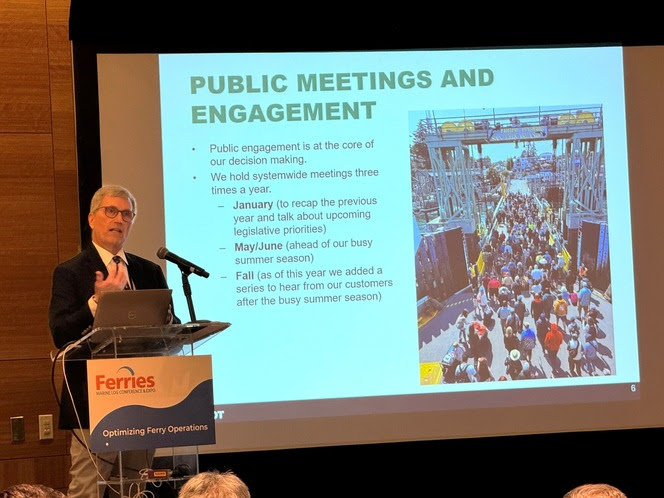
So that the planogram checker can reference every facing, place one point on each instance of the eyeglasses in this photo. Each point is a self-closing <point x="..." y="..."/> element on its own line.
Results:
<point x="112" y="212"/>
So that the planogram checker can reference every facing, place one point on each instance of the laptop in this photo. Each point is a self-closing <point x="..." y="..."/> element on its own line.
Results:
<point x="124" y="317"/>
<point x="136" y="309"/>
<point x="142" y="307"/>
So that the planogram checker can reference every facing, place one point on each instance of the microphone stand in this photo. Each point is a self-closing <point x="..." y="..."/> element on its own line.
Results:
<point x="187" y="290"/>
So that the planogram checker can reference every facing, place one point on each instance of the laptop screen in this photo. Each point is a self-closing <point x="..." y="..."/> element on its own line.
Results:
<point x="132" y="307"/>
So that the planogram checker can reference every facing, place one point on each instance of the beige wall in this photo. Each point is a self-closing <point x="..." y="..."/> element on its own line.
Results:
<point x="38" y="224"/>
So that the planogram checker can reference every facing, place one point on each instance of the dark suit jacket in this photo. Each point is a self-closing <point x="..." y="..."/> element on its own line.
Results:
<point x="70" y="317"/>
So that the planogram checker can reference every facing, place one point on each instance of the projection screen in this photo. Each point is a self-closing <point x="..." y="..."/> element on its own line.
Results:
<point x="350" y="205"/>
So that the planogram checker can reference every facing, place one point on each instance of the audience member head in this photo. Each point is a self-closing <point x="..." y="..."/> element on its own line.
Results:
<point x="215" y="484"/>
<point x="30" y="491"/>
<point x="595" y="491"/>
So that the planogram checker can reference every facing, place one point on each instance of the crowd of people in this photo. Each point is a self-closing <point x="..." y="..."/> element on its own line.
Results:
<point x="214" y="484"/>
<point x="520" y="263"/>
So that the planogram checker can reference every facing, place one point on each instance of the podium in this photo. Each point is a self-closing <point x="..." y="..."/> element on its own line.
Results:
<point x="118" y="396"/>
<point x="154" y="340"/>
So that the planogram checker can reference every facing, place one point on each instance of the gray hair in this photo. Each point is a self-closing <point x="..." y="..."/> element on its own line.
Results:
<point x="215" y="484"/>
<point x="111" y="191"/>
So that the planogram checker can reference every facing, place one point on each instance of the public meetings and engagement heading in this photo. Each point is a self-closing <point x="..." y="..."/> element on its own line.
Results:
<point x="316" y="82"/>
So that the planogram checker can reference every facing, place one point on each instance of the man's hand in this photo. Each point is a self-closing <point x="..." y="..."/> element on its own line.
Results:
<point x="117" y="280"/>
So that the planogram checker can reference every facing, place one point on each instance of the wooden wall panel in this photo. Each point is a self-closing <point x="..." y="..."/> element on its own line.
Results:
<point x="24" y="91"/>
<point x="27" y="392"/>
<point x="64" y="136"/>
<point x="38" y="226"/>
<point x="51" y="471"/>
<point x="27" y="240"/>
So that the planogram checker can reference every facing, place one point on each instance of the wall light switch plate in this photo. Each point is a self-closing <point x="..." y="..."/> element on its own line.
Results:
<point x="17" y="429"/>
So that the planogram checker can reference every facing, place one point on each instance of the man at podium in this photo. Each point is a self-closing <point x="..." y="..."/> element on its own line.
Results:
<point x="77" y="285"/>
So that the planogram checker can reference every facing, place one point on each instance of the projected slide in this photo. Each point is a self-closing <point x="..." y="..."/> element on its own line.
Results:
<point x="387" y="224"/>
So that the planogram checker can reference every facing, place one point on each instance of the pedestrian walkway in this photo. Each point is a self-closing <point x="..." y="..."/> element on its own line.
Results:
<point x="524" y="229"/>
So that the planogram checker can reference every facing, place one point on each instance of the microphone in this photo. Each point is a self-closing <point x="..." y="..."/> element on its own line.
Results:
<point x="185" y="266"/>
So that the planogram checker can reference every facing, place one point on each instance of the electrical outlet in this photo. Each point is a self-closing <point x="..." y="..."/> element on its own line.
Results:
<point x="46" y="426"/>
<point x="18" y="429"/>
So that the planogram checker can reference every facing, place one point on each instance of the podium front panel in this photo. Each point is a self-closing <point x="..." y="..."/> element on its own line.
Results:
<point x="150" y="402"/>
